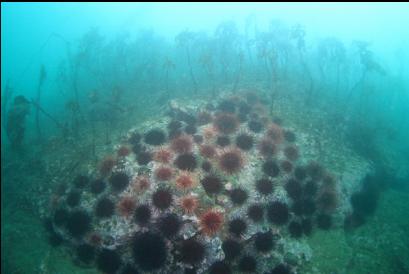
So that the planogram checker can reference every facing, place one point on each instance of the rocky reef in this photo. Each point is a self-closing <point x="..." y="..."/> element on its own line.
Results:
<point x="214" y="187"/>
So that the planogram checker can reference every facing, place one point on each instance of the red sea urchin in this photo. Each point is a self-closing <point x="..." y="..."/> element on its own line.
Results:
<point x="106" y="165"/>
<point x="182" y="144"/>
<point x="208" y="151"/>
<point x="275" y="132"/>
<point x="123" y="151"/>
<point x="231" y="161"/>
<point x="163" y="173"/>
<point x="188" y="204"/>
<point x="185" y="181"/>
<point x="163" y="155"/>
<point x="226" y="123"/>
<point x="126" y="206"/>
<point x="141" y="183"/>
<point x="211" y="222"/>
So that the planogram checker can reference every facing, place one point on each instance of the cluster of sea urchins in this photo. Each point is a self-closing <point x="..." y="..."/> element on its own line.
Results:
<point x="185" y="190"/>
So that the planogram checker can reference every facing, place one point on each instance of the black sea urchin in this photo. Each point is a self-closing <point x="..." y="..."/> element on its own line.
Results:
<point x="223" y="141"/>
<point x="281" y="269"/>
<point x="256" y="212"/>
<point x="324" y="221"/>
<point x="73" y="198"/>
<point x="144" y="157"/>
<point x="119" y="181"/>
<point x="78" y="223"/>
<point x="294" y="189"/>
<point x="104" y="208"/>
<point x="97" y="186"/>
<point x="271" y="168"/>
<point x="219" y="267"/>
<point x="170" y="225"/>
<point x="244" y="141"/>
<point x="264" y="186"/>
<point x="81" y="181"/>
<point x="155" y="137"/>
<point x="264" y="241"/>
<point x="60" y="216"/>
<point x="186" y="162"/>
<point x="85" y="253"/>
<point x="237" y="227"/>
<point x="295" y="229"/>
<point x="255" y="126"/>
<point x="247" y="264"/>
<point x="277" y="213"/>
<point x="142" y="214"/>
<point x="149" y="251"/>
<point x="231" y="249"/>
<point x="192" y="251"/>
<point x="162" y="199"/>
<point x="212" y="184"/>
<point x="238" y="196"/>
<point x="108" y="261"/>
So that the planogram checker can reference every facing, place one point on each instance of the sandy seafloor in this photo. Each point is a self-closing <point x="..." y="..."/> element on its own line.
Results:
<point x="379" y="246"/>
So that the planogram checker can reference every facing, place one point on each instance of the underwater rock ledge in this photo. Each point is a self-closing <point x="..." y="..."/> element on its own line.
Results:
<point x="214" y="187"/>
